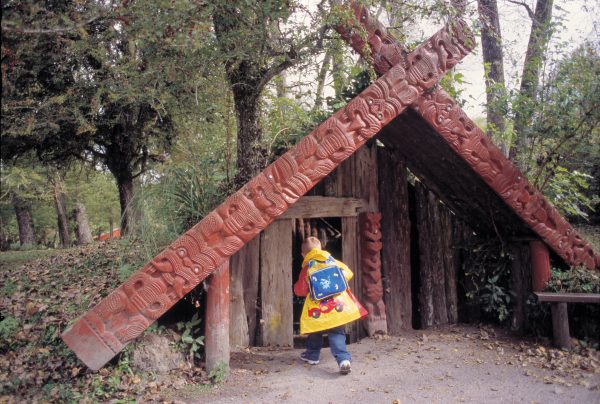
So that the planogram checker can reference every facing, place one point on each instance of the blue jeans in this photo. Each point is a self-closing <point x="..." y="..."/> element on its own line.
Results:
<point x="337" y="344"/>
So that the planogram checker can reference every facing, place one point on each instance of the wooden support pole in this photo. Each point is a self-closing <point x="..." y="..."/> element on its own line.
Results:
<point x="560" y="325"/>
<point x="395" y="228"/>
<point x="217" y="318"/>
<point x="520" y="284"/>
<point x="540" y="265"/>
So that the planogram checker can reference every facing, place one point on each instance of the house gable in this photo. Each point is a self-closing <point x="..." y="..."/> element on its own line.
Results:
<point x="450" y="123"/>
<point x="124" y="314"/>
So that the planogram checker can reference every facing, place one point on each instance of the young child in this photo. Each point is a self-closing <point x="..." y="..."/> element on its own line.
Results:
<point x="328" y="316"/>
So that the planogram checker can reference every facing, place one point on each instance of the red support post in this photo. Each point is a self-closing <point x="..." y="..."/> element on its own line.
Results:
<point x="217" y="318"/>
<point x="540" y="265"/>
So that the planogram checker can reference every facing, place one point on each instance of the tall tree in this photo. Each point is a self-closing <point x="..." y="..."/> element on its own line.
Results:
<point x="56" y="180"/>
<point x="541" y="30"/>
<point x="255" y="48"/>
<point x="100" y="87"/>
<point x="491" y="43"/>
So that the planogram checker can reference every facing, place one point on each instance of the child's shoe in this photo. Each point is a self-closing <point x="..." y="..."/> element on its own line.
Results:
<point x="309" y="361"/>
<point x="345" y="367"/>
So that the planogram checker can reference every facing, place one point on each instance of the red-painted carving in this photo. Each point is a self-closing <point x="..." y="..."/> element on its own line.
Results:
<point x="104" y="330"/>
<point x="452" y="123"/>
<point x="370" y="242"/>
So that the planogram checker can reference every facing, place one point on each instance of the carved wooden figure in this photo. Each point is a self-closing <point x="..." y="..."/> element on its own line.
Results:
<point x="444" y="114"/>
<point x="372" y="286"/>
<point x="124" y="314"/>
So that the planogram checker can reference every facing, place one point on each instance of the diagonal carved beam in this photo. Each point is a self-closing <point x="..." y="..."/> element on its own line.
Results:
<point x="124" y="314"/>
<point x="444" y="115"/>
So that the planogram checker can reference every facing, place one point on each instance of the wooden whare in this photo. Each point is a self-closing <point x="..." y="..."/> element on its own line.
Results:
<point x="123" y="315"/>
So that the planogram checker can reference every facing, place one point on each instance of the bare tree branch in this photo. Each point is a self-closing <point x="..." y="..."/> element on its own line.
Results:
<point x="529" y="10"/>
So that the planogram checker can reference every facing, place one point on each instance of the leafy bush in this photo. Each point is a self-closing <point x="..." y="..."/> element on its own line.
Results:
<point x="191" y="341"/>
<point x="575" y="280"/>
<point x="486" y="266"/>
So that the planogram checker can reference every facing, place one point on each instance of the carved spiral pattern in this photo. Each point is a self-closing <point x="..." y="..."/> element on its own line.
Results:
<point x="151" y="291"/>
<point x="372" y="286"/>
<point x="370" y="238"/>
<point x="455" y="127"/>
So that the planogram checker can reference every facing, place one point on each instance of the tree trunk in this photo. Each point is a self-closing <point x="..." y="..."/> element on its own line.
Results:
<point x="321" y="81"/>
<point x="60" y="204"/>
<point x="125" y="186"/>
<point x="251" y="155"/>
<point x="491" y="43"/>
<point x="337" y="70"/>
<point x="538" y="40"/>
<point x="24" y="221"/>
<point x="82" y="227"/>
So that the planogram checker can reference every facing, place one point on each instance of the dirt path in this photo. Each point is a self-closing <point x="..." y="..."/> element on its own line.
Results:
<point x="459" y="364"/>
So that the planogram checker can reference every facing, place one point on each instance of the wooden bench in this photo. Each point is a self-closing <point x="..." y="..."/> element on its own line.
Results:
<point x="560" y="318"/>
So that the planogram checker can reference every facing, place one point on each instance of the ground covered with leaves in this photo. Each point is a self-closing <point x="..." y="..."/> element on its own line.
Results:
<point x="42" y="293"/>
<point x="448" y="365"/>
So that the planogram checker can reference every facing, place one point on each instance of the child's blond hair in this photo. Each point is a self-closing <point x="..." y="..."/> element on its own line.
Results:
<point x="309" y="243"/>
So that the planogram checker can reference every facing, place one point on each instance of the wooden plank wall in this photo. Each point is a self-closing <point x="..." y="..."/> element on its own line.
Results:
<point x="357" y="178"/>
<point x="395" y="233"/>
<point x="276" y="284"/>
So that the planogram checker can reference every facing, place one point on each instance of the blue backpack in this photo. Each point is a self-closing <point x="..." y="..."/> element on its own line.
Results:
<point x="327" y="281"/>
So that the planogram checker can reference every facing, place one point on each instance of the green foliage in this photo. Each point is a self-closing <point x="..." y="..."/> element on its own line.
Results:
<point x="8" y="327"/>
<point x="574" y="280"/>
<point x="564" y="135"/>
<point x="487" y="272"/>
<point x="452" y="83"/>
<point x="567" y="191"/>
<point x="219" y="373"/>
<point x="191" y="340"/>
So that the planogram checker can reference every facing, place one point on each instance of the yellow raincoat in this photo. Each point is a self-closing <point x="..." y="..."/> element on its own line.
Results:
<point x="328" y="313"/>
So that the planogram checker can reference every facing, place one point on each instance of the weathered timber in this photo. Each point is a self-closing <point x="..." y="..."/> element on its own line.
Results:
<point x="447" y="119"/>
<point x="520" y="284"/>
<point x="395" y="228"/>
<point x="365" y="176"/>
<point x="568" y="297"/>
<point x="309" y="207"/>
<point x="351" y="257"/>
<point x="217" y="318"/>
<point x="540" y="265"/>
<point x="372" y="286"/>
<point x="560" y="315"/>
<point x="124" y="314"/>
<point x="560" y="325"/>
<point x="249" y="260"/>
<point x="276" y="284"/>
<point x="448" y="257"/>
<point x="238" y="323"/>
<point x="432" y="295"/>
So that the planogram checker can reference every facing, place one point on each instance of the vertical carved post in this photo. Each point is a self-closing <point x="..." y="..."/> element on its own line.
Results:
<point x="540" y="265"/>
<point x="370" y="245"/>
<point x="217" y="318"/>
<point x="520" y="274"/>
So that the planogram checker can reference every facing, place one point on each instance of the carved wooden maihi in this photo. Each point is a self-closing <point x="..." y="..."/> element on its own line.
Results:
<point x="372" y="286"/>
<point x="124" y="314"/>
<point x="443" y="114"/>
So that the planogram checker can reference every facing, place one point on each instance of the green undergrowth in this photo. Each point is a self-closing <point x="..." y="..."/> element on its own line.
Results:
<point x="42" y="293"/>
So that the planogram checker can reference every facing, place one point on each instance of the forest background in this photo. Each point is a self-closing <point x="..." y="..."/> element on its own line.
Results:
<point x="144" y="115"/>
